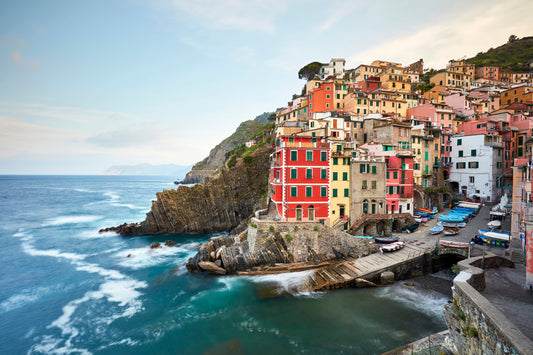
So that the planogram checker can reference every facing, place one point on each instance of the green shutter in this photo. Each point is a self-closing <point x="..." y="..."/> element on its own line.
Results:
<point x="323" y="191"/>
<point x="361" y="168"/>
<point x="323" y="174"/>
<point x="335" y="161"/>
<point x="294" y="173"/>
<point x="293" y="191"/>
<point x="345" y="176"/>
<point x="373" y="169"/>
<point x="346" y="192"/>
<point x="323" y="156"/>
<point x="294" y="155"/>
<point x="309" y="173"/>
<point x="308" y="191"/>
<point x="335" y="175"/>
<point x="309" y="155"/>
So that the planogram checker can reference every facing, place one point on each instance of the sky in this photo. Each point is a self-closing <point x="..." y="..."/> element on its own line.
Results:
<point x="85" y="85"/>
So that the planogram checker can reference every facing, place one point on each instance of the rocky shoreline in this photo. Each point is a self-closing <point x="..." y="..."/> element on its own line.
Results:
<point x="273" y="247"/>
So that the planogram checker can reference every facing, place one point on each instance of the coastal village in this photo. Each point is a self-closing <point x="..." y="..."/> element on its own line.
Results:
<point x="364" y="145"/>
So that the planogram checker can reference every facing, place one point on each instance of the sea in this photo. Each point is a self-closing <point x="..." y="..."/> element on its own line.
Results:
<point x="67" y="289"/>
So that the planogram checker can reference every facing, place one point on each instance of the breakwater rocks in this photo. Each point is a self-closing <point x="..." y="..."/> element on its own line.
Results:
<point x="219" y="204"/>
<point x="270" y="247"/>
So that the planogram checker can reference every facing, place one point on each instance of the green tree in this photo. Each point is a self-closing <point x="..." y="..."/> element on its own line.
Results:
<point x="309" y="71"/>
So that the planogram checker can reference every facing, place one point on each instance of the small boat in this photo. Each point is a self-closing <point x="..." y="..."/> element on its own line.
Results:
<point x="453" y="244"/>
<point x="436" y="230"/>
<point x="392" y="247"/>
<point x="386" y="240"/>
<point x="485" y="231"/>
<point x="418" y="220"/>
<point x="494" y="224"/>
<point x="424" y="219"/>
<point x="451" y="218"/>
<point x="452" y="224"/>
<point x="427" y="210"/>
<point x="412" y="227"/>
<point x="364" y="236"/>
<point x="451" y="231"/>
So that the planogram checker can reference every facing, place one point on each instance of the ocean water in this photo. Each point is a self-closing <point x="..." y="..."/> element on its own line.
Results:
<point x="66" y="289"/>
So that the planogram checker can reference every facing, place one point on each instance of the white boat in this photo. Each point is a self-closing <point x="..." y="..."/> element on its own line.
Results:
<point x="453" y="244"/>
<point x="494" y="224"/>
<point x="452" y="224"/>
<point x="392" y="247"/>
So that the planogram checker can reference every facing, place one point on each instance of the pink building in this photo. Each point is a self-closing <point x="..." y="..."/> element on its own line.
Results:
<point x="460" y="103"/>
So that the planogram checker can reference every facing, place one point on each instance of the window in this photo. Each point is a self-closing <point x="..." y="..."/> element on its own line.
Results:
<point x="323" y="156"/>
<point x="346" y="192"/>
<point x="323" y="174"/>
<point x="395" y="175"/>
<point x="364" y="185"/>
<point x="426" y="156"/>
<point x="309" y="155"/>
<point x="294" y="155"/>
<point x="344" y="176"/>
<point x="308" y="191"/>
<point x="335" y="176"/>
<point x="308" y="173"/>
<point x="335" y="161"/>
<point x="459" y="142"/>
<point x="294" y="173"/>
<point x="374" y="184"/>
<point x="373" y="169"/>
<point x="473" y="165"/>
<point x="471" y="179"/>
<point x="473" y="152"/>
<point x="334" y="192"/>
<point x="388" y="175"/>
<point x="460" y="153"/>
<point x="294" y="191"/>
<point x="323" y="191"/>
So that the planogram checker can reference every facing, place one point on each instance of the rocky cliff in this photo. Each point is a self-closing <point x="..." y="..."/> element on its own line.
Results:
<point x="219" y="204"/>
<point x="217" y="156"/>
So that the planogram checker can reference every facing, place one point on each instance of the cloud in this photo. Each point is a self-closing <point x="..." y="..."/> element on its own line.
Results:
<point x="466" y="33"/>
<point x="339" y="14"/>
<point x="19" y="61"/>
<point x="250" y="15"/>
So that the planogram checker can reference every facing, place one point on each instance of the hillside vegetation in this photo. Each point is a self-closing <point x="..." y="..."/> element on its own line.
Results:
<point x="513" y="55"/>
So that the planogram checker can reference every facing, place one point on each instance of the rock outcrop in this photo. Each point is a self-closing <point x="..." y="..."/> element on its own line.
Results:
<point x="270" y="247"/>
<point x="219" y="204"/>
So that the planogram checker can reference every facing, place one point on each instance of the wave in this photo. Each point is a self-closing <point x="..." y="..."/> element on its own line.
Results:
<point x="23" y="298"/>
<point x="289" y="282"/>
<point x="112" y="195"/>
<point x="430" y="302"/>
<point x="94" y="234"/>
<point x="144" y="257"/>
<point x="62" y="220"/>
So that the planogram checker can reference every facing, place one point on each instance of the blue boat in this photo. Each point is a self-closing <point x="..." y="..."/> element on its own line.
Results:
<point x="451" y="218"/>
<point x="492" y="239"/>
<point x="436" y="229"/>
<point x="364" y="236"/>
<point x="485" y="231"/>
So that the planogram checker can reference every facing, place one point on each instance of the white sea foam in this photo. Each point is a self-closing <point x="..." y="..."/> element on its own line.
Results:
<point x="112" y="195"/>
<point x="23" y="298"/>
<point x="62" y="220"/>
<point x="28" y="248"/>
<point x="289" y="282"/>
<point x="430" y="302"/>
<point x="94" y="234"/>
<point x="140" y="258"/>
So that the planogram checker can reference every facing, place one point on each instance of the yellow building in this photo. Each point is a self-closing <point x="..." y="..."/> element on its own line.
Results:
<point x="340" y="199"/>
<point x="518" y="93"/>
<point x="426" y="149"/>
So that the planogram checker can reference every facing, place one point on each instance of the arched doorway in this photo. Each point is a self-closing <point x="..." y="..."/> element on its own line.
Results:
<point x="299" y="213"/>
<point x="311" y="211"/>
<point x="365" y="206"/>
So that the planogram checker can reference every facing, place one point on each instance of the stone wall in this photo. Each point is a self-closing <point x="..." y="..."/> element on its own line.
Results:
<point x="476" y="326"/>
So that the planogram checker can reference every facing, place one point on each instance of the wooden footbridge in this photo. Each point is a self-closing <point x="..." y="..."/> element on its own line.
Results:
<point x="413" y="260"/>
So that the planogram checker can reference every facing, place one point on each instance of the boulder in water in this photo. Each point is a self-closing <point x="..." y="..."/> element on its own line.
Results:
<point x="170" y="243"/>
<point x="155" y="245"/>
<point x="211" y="267"/>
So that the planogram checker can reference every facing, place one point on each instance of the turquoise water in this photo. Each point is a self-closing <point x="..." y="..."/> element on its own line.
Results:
<point x="64" y="288"/>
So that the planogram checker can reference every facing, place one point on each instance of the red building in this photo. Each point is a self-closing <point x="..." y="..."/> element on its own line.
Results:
<point x="370" y="84"/>
<point x="399" y="183"/>
<point x="299" y="178"/>
<point x="321" y="99"/>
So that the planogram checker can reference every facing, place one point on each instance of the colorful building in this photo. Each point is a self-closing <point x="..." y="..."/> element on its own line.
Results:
<point x="299" y="179"/>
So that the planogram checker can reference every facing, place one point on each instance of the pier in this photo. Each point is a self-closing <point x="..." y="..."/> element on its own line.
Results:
<point x="413" y="260"/>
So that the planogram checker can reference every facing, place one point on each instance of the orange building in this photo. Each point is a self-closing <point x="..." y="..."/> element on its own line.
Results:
<point x="517" y="93"/>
